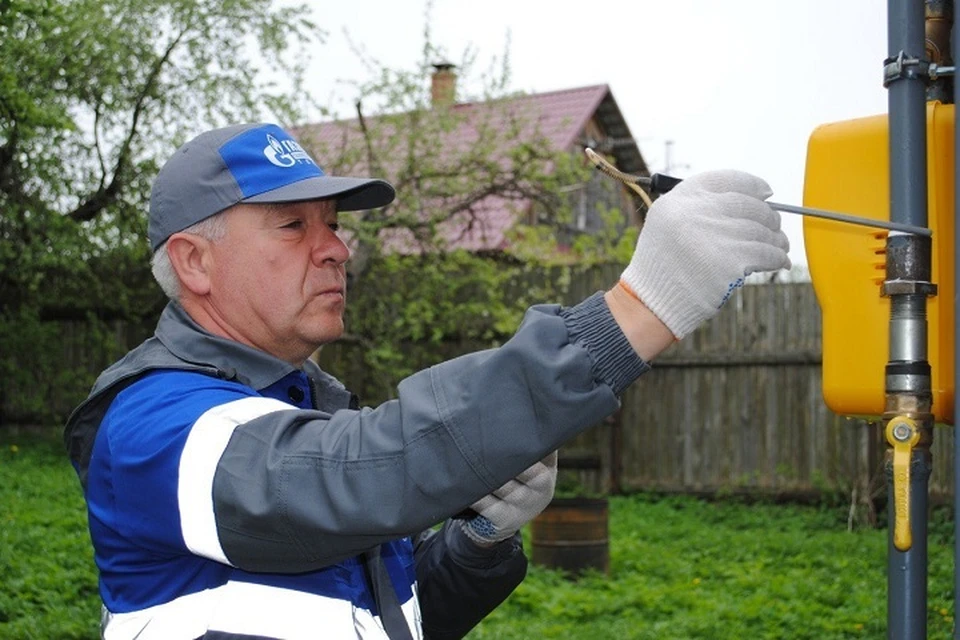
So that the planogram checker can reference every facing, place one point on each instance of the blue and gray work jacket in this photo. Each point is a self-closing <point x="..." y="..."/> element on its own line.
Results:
<point x="232" y="495"/>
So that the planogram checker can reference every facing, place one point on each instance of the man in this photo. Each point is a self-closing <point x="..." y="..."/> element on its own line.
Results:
<point x="235" y="490"/>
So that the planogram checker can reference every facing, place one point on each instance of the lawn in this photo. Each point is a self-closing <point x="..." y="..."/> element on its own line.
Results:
<point x="681" y="568"/>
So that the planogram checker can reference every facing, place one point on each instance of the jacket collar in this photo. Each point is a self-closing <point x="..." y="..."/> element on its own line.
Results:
<point x="190" y="342"/>
<point x="180" y="343"/>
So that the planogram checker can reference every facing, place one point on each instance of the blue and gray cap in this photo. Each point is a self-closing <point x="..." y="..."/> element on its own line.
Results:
<point x="251" y="163"/>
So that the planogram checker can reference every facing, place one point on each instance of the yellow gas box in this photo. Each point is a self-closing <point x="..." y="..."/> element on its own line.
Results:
<point x="848" y="172"/>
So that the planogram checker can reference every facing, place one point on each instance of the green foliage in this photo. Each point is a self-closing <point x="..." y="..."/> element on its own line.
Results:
<point x="613" y="243"/>
<point x="43" y="391"/>
<point x="454" y="295"/>
<point x="409" y="312"/>
<point x="92" y="93"/>
<point x="406" y="313"/>
<point x="681" y="568"/>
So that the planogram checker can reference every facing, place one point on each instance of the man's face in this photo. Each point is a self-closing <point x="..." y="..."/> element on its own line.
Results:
<point x="277" y="278"/>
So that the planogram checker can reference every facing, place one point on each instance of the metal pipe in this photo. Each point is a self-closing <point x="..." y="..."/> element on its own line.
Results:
<point x="845" y="217"/>
<point x="955" y="47"/>
<point x="909" y="620"/>
<point x="908" y="394"/>
<point x="938" y="20"/>
<point x="907" y="107"/>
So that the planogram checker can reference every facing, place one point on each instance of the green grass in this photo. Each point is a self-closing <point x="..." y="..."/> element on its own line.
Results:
<point x="49" y="583"/>
<point x="684" y="568"/>
<point x="681" y="568"/>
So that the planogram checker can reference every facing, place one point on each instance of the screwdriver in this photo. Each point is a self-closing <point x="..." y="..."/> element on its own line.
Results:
<point x="660" y="183"/>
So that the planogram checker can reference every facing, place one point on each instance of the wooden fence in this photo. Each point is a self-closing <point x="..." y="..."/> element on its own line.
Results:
<point x="735" y="407"/>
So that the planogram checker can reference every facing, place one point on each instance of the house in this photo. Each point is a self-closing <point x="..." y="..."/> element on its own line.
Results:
<point x="565" y="120"/>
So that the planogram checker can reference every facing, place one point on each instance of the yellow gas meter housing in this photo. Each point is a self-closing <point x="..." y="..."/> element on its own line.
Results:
<point x="848" y="172"/>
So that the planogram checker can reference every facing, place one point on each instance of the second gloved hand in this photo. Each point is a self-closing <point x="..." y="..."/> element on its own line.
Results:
<point x="502" y="513"/>
<point x="699" y="242"/>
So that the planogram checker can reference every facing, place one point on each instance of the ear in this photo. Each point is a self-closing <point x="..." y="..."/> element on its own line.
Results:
<point x="190" y="257"/>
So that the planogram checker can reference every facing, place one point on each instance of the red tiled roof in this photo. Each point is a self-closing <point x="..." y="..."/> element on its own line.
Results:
<point x="559" y="116"/>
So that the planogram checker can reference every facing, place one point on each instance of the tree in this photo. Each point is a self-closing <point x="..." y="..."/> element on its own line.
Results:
<point x="419" y="300"/>
<point x="92" y="94"/>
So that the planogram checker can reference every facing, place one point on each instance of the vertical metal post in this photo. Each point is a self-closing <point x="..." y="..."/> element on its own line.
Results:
<point x="955" y="47"/>
<point x="907" y="381"/>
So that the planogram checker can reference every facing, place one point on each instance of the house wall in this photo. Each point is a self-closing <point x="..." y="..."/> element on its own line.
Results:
<point x="627" y="202"/>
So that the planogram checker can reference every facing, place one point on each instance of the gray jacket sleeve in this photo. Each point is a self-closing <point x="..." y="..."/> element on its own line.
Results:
<point x="298" y="490"/>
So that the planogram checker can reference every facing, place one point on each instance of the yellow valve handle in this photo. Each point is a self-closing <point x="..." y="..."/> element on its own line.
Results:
<point x="902" y="434"/>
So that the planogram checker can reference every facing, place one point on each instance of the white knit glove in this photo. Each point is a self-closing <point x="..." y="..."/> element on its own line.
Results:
<point x="698" y="243"/>
<point x="502" y="513"/>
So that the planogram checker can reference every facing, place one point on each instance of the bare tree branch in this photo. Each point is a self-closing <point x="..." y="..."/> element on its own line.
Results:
<point x="7" y="153"/>
<point x="372" y="160"/>
<point x="99" y="148"/>
<point x="104" y="196"/>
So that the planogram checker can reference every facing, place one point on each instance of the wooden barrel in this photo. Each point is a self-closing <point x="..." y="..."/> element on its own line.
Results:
<point x="571" y="534"/>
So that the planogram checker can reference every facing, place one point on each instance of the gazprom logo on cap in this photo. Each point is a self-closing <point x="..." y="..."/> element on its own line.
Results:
<point x="266" y="158"/>
<point x="286" y="153"/>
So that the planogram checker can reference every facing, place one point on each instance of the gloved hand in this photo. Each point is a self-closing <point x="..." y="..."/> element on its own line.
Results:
<point x="502" y="513"/>
<point x="698" y="243"/>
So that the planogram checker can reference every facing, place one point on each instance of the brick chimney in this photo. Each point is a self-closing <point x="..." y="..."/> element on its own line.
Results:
<point x="443" y="85"/>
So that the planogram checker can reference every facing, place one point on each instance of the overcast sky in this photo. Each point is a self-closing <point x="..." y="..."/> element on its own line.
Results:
<point x="733" y="84"/>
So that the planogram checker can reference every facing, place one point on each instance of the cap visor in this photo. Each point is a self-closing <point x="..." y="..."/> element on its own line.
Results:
<point x="351" y="194"/>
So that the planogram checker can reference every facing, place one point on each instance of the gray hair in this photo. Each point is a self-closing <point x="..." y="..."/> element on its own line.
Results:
<point x="212" y="229"/>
